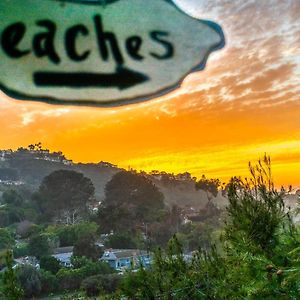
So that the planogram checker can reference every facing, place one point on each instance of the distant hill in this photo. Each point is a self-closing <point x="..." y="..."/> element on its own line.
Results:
<point x="180" y="190"/>
<point x="30" y="165"/>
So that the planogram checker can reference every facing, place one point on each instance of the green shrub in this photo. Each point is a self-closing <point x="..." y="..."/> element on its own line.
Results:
<point x="107" y="284"/>
<point x="49" y="283"/>
<point x="21" y="250"/>
<point x="121" y="241"/>
<point x="69" y="279"/>
<point x="39" y="246"/>
<point x="6" y="239"/>
<point x="30" y="280"/>
<point x="9" y="284"/>
<point x="69" y="234"/>
<point x="50" y="263"/>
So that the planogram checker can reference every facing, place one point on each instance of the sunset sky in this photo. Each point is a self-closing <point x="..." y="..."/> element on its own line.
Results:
<point x="245" y="103"/>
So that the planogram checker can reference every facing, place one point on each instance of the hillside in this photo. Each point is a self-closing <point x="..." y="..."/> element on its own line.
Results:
<point x="180" y="190"/>
<point x="29" y="166"/>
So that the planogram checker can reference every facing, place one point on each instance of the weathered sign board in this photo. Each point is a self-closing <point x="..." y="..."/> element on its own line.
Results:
<point x="81" y="52"/>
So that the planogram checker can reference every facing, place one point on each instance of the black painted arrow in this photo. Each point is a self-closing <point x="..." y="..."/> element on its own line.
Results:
<point x="100" y="2"/>
<point x="123" y="78"/>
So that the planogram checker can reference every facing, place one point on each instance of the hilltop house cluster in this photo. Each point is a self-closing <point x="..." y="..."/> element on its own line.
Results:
<point x="34" y="153"/>
<point x="8" y="176"/>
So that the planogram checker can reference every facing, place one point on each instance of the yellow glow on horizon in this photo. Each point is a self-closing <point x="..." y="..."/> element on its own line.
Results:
<point x="225" y="163"/>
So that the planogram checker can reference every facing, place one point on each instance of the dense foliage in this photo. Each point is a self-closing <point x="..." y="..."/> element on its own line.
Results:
<point x="6" y="238"/>
<point x="50" y="264"/>
<point x="131" y="199"/>
<point x="64" y="196"/>
<point x="209" y="185"/>
<point x="69" y="235"/>
<point x="259" y="258"/>
<point x="101" y="284"/>
<point x="17" y="206"/>
<point x="11" y="288"/>
<point x="248" y="251"/>
<point x="86" y="246"/>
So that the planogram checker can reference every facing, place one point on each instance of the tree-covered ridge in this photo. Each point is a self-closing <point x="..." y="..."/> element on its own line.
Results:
<point x="27" y="167"/>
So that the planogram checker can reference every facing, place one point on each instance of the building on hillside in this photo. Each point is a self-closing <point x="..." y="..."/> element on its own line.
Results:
<point x="11" y="182"/>
<point x="120" y="259"/>
<point x="2" y="156"/>
<point x="67" y="162"/>
<point x="5" y="154"/>
<point x="63" y="255"/>
<point x="186" y="220"/>
<point x="26" y="260"/>
<point x="106" y="164"/>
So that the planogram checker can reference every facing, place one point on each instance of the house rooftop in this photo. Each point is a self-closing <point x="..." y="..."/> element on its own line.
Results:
<point x="63" y="250"/>
<point x="126" y="253"/>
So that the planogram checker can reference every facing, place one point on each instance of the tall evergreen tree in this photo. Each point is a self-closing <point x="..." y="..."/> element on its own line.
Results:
<point x="11" y="287"/>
